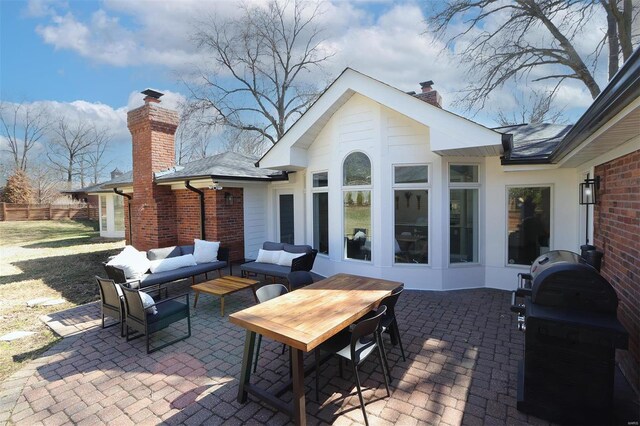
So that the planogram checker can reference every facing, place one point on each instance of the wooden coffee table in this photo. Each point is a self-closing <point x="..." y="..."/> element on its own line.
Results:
<point x="222" y="287"/>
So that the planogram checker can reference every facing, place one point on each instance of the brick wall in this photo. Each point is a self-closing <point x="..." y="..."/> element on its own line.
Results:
<point x="223" y="223"/>
<point x="616" y="233"/>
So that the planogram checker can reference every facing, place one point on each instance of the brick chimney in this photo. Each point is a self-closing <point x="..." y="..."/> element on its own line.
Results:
<point x="429" y="95"/>
<point x="152" y="207"/>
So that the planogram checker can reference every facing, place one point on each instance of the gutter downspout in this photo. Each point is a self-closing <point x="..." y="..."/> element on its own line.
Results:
<point x="128" y="197"/>
<point x="201" y="195"/>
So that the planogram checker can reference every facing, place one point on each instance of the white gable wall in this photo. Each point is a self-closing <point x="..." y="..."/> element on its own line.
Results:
<point x="390" y="138"/>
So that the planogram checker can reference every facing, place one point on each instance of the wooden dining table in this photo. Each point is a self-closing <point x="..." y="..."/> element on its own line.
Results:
<point x="303" y="319"/>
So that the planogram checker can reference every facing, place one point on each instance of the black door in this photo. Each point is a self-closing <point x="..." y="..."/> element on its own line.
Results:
<point x="286" y="218"/>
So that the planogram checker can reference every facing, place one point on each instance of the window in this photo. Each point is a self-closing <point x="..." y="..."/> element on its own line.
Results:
<point x="321" y="212"/>
<point x="411" y="231"/>
<point x="463" y="213"/>
<point x="356" y="192"/>
<point x="118" y="213"/>
<point x="103" y="213"/>
<point x="528" y="223"/>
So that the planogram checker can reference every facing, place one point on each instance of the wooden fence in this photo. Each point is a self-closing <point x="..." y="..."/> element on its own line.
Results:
<point x="14" y="212"/>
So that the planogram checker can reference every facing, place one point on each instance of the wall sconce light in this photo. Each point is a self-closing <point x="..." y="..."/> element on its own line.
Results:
<point x="228" y="199"/>
<point x="588" y="190"/>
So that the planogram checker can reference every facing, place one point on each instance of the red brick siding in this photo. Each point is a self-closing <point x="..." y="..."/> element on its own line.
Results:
<point x="616" y="233"/>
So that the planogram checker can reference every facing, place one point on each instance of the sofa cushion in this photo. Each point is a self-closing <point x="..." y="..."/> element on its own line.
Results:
<point x="147" y="303"/>
<point x="171" y="263"/>
<point x="286" y="258"/>
<point x="269" y="245"/>
<point x="133" y="263"/>
<point x="163" y="253"/>
<point x="300" y="248"/>
<point x="205" y="251"/>
<point x="186" y="249"/>
<point x="267" y="269"/>
<point x="180" y="273"/>
<point x="269" y="256"/>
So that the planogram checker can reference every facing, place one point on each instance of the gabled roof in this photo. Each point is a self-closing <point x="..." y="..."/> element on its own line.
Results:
<point x="449" y="133"/>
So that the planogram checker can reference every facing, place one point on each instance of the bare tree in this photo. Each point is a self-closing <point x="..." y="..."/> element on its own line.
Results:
<point x="506" y="51"/>
<point x="537" y="108"/>
<point x="242" y="142"/>
<point x="94" y="157"/>
<point x="68" y="143"/>
<point x="45" y="183"/>
<point x="23" y="125"/>
<point x="260" y="59"/>
<point x="196" y="134"/>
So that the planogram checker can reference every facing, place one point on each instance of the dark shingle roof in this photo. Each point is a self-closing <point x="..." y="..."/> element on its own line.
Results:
<point x="535" y="141"/>
<point x="124" y="179"/>
<point x="228" y="165"/>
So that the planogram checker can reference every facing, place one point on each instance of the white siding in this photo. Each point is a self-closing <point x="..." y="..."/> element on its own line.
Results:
<point x="255" y="218"/>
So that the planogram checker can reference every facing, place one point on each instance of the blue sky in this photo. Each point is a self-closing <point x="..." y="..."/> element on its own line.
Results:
<point x="90" y="59"/>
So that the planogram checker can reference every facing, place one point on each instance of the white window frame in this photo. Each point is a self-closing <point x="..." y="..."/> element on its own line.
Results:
<point x="314" y="190"/>
<point x="506" y="225"/>
<point x="416" y="186"/>
<point x="464" y="185"/>
<point x="351" y="188"/>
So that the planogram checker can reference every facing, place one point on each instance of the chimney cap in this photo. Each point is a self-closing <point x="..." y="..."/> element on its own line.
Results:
<point x="428" y="83"/>
<point x="152" y="93"/>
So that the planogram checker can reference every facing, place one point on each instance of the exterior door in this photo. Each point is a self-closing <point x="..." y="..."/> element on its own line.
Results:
<point x="285" y="208"/>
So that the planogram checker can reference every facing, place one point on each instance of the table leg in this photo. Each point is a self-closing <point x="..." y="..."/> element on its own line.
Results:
<point x="195" y="299"/>
<point x="245" y="373"/>
<point x="299" y="410"/>
<point x="221" y="306"/>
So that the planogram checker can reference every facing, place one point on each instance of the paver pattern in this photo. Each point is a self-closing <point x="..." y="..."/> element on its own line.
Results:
<point x="462" y="352"/>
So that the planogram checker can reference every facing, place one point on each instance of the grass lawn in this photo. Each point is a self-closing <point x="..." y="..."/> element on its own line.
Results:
<point x="54" y="259"/>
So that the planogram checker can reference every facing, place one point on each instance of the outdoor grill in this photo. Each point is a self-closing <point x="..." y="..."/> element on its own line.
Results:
<point x="571" y="334"/>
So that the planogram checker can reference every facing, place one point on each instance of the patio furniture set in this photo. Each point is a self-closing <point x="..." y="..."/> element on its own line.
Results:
<point x="361" y="310"/>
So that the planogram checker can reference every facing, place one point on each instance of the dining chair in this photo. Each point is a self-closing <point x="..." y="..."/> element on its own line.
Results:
<point x="389" y="324"/>
<point x="143" y="321"/>
<point x="356" y="346"/>
<point x="112" y="303"/>
<point x="263" y="294"/>
<point x="299" y="279"/>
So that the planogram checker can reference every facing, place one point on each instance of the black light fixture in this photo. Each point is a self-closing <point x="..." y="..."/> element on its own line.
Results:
<point x="228" y="198"/>
<point x="588" y="190"/>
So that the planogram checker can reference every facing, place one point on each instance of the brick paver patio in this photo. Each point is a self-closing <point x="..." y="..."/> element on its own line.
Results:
<point x="462" y="351"/>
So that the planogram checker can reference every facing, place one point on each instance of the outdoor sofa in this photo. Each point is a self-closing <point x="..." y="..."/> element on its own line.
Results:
<point x="280" y="269"/>
<point x="154" y="281"/>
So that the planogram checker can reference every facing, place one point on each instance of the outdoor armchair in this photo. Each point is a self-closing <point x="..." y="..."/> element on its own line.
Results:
<point x="264" y="293"/>
<point x="143" y="322"/>
<point x="299" y="279"/>
<point x="112" y="303"/>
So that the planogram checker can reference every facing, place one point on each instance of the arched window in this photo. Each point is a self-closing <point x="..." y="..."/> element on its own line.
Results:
<point x="356" y="197"/>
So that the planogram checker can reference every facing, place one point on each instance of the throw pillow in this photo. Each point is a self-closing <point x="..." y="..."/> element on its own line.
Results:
<point x="171" y="263"/>
<point x="205" y="251"/>
<point x="286" y="258"/>
<point x="134" y="263"/>
<point x="269" y="256"/>
<point x="147" y="302"/>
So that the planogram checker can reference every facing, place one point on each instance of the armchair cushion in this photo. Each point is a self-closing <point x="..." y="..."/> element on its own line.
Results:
<point x="301" y="248"/>
<point x="269" y="256"/>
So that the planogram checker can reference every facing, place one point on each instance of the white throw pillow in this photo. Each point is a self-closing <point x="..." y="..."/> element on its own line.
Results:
<point x="286" y="258"/>
<point x="171" y="263"/>
<point x="147" y="301"/>
<point x="269" y="256"/>
<point x="205" y="251"/>
<point x="134" y="263"/>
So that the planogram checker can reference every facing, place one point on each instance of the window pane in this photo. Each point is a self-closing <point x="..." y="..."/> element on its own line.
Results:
<point x="529" y="224"/>
<point x="321" y="222"/>
<point x="411" y="230"/>
<point x="320" y="180"/>
<point x="463" y="225"/>
<point x="118" y="213"/>
<point x="411" y="174"/>
<point x="357" y="224"/>
<point x="103" y="213"/>
<point x="463" y="173"/>
<point x="286" y="219"/>
<point x="357" y="169"/>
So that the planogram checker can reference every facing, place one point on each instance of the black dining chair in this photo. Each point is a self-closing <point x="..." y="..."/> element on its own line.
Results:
<point x="389" y="324"/>
<point x="112" y="303"/>
<point x="299" y="279"/>
<point x="263" y="294"/>
<point x="356" y="346"/>
<point x="145" y="323"/>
